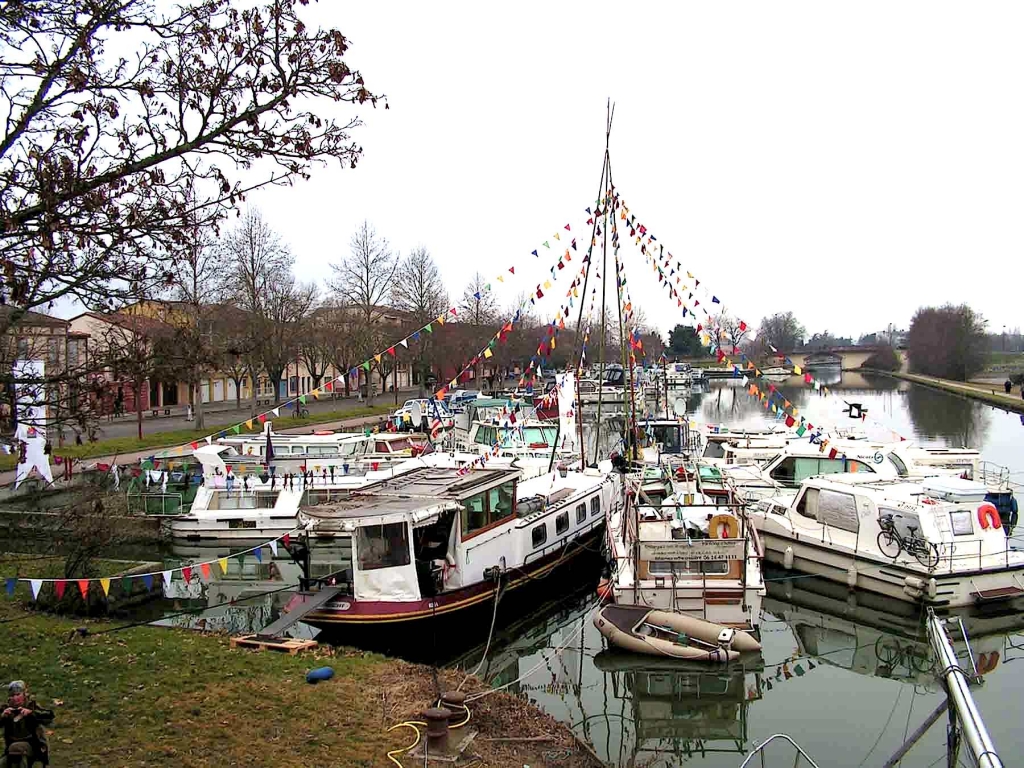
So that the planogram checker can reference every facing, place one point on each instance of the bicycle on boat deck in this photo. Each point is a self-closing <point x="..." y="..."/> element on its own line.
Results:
<point x="892" y="543"/>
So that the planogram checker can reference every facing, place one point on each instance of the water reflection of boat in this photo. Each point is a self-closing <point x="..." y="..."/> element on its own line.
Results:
<point x="679" y="710"/>
<point x="871" y="636"/>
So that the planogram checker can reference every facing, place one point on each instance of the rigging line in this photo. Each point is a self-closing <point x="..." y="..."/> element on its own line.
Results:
<point x="885" y="727"/>
<point x="490" y="635"/>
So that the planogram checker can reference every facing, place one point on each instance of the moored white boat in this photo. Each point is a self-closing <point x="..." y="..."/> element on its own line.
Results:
<point x="936" y="541"/>
<point x="437" y="542"/>
<point x="680" y="547"/>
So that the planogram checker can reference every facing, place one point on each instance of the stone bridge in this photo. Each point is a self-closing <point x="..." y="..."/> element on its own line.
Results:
<point x="848" y="358"/>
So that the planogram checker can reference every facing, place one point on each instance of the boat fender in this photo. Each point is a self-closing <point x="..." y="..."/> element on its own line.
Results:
<point x="724" y="524"/>
<point x="911" y="592"/>
<point x="913" y="583"/>
<point x="787" y="558"/>
<point x="319" y="674"/>
<point x="988" y="516"/>
<point x="851" y="576"/>
<point x="987" y="662"/>
<point x="933" y="588"/>
<point x="604" y="590"/>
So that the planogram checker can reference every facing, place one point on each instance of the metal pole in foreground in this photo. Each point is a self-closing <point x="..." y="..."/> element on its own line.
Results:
<point x="956" y="680"/>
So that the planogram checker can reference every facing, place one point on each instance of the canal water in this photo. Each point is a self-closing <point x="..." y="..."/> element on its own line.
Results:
<point x="848" y="677"/>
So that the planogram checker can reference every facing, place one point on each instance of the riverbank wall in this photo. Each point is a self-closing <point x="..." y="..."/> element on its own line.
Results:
<point x="972" y="391"/>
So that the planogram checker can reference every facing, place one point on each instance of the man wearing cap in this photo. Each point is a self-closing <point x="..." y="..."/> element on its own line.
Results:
<point x="24" y="735"/>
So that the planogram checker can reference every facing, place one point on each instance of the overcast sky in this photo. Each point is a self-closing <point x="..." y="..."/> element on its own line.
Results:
<point x="848" y="162"/>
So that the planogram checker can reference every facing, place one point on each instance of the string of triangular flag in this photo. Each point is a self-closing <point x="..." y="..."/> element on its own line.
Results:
<point x="392" y="351"/>
<point x="203" y="570"/>
<point x="773" y="401"/>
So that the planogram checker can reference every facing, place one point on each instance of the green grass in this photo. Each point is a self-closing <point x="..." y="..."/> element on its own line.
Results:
<point x="127" y="445"/>
<point x="163" y="697"/>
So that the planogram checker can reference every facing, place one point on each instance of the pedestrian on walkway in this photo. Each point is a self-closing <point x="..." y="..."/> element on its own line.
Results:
<point x="1007" y="385"/>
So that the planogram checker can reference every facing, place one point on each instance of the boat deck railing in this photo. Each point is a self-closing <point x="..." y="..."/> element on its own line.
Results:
<point x="801" y="757"/>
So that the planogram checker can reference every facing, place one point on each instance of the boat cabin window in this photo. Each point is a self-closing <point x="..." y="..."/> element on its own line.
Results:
<point x="714" y="450"/>
<point x="667" y="436"/>
<point x="486" y="435"/>
<point x="539" y="535"/>
<point x="897" y="462"/>
<point x="383" y="546"/>
<point x="903" y="521"/>
<point x="963" y="522"/>
<point x="832" y="508"/>
<point x="232" y="500"/>
<point x="581" y="513"/>
<point x="688" y="567"/>
<point x="595" y="506"/>
<point x="488" y="508"/>
<point x="561" y="524"/>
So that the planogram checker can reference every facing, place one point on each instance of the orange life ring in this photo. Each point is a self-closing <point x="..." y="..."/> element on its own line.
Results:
<point x="987" y="662"/>
<point x="726" y="524"/>
<point x="988" y="516"/>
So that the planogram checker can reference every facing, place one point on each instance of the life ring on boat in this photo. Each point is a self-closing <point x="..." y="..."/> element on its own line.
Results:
<point x="323" y="432"/>
<point x="987" y="662"/>
<point x="724" y="524"/>
<point x="988" y="516"/>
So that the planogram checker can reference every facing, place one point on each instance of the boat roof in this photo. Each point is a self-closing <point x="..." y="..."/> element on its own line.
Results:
<point x="419" y="490"/>
<point x="895" y="492"/>
<point x="494" y="402"/>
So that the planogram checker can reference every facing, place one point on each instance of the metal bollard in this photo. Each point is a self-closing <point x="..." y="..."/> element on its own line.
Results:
<point x="437" y="729"/>
<point x="455" y="701"/>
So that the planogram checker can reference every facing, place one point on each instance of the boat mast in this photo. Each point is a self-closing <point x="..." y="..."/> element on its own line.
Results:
<point x="606" y="171"/>
<point x="576" y="348"/>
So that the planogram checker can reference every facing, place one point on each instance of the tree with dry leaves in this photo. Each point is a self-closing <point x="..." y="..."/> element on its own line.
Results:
<point x="106" y="161"/>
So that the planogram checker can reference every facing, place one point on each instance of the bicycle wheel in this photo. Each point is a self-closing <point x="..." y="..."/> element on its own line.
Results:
<point x="927" y="554"/>
<point x="889" y="544"/>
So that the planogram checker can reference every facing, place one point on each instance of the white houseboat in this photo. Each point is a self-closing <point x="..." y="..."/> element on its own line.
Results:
<point x="437" y="542"/>
<point x="937" y="541"/>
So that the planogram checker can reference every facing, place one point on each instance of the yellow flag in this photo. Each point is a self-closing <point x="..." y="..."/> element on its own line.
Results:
<point x="796" y="370"/>
<point x="547" y="284"/>
<point x="441" y="319"/>
<point x="248" y="424"/>
<point x="557" y="236"/>
<point x="552" y="342"/>
<point x="223" y="563"/>
<point x="501" y="279"/>
<point x="487" y="353"/>
<point x="377" y="358"/>
<point x="315" y="393"/>
<point x="105" y="583"/>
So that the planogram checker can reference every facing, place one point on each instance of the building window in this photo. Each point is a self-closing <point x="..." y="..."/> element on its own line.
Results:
<point x="540" y="535"/>
<point x="581" y="513"/>
<point x="561" y="524"/>
<point x="23" y="349"/>
<point x="383" y="546"/>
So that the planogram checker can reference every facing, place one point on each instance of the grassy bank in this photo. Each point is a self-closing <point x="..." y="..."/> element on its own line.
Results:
<point x="129" y="445"/>
<point x="170" y="698"/>
<point x="972" y="390"/>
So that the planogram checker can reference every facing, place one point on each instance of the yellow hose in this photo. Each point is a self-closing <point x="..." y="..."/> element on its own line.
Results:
<point x="468" y="714"/>
<point x="407" y="724"/>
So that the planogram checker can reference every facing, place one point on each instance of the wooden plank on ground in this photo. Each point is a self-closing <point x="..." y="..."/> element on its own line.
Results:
<point x="289" y="645"/>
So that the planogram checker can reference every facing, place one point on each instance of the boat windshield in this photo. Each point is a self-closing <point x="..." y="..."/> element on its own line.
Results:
<point x="767" y="462"/>
<point x="897" y="462"/>
<point x="540" y="437"/>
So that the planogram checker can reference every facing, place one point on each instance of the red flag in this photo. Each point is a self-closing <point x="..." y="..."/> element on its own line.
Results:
<point x="286" y="540"/>
<point x="329" y="386"/>
<point x="832" y="453"/>
<point x="187" y="573"/>
<point x="60" y="585"/>
<point x="512" y="270"/>
<point x="83" y="587"/>
<point x="743" y="326"/>
<point x="205" y="568"/>
<point x="262" y="417"/>
<point x="807" y="378"/>
<point x="790" y="421"/>
<point x="194" y="445"/>
<point x="391" y="351"/>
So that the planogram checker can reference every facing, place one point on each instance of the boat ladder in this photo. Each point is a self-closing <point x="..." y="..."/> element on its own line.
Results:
<point x="760" y="752"/>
